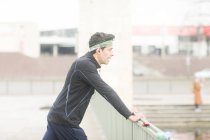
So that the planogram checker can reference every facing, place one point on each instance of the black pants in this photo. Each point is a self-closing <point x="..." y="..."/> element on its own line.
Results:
<point x="59" y="132"/>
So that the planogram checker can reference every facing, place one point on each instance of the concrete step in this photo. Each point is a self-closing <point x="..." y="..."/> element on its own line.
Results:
<point x="173" y="110"/>
<point x="177" y="120"/>
<point x="168" y="99"/>
<point x="168" y="107"/>
<point x="176" y="116"/>
<point x="183" y="126"/>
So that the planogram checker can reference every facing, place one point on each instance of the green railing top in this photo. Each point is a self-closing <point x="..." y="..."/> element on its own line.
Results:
<point x="157" y="133"/>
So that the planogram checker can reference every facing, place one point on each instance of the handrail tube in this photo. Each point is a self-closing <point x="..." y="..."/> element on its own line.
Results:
<point x="159" y="134"/>
<point x="143" y="120"/>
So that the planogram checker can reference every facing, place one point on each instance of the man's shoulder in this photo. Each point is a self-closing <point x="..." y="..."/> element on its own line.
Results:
<point x="84" y="61"/>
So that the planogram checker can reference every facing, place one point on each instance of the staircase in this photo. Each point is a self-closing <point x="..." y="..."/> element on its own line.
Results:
<point x="177" y="116"/>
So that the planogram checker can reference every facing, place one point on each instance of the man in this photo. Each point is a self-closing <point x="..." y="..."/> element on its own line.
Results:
<point x="82" y="80"/>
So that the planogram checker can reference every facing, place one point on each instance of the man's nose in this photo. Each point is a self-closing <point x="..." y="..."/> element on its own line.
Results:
<point x="112" y="54"/>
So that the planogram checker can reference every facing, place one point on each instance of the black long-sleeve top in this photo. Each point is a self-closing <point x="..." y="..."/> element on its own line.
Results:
<point x="81" y="82"/>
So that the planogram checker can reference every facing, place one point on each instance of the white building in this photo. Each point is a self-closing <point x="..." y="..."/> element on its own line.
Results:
<point x="186" y="40"/>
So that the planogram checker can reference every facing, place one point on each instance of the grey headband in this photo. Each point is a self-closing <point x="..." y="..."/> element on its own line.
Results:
<point x="101" y="45"/>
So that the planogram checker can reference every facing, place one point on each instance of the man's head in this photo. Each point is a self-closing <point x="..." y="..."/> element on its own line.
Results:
<point x="100" y="45"/>
<point x="100" y="40"/>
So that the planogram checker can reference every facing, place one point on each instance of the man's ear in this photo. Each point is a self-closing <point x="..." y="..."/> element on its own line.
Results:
<point x="98" y="50"/>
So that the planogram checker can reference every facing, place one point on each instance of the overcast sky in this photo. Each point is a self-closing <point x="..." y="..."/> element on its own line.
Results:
<point x="64" y="13"/>
<point x="46" y="13"/>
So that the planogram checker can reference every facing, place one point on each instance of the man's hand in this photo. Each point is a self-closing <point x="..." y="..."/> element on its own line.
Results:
<point x="136" y="117"/>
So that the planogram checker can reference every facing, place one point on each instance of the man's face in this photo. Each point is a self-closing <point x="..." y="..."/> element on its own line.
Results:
<point x="105" y="55"/>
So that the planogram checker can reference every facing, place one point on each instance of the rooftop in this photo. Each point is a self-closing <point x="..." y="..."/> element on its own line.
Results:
<point x="15" y="65"/>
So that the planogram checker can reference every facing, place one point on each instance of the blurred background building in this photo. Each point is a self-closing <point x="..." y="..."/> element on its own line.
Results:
<point x="159" y="28"/>
<point x="170" y="40"/>
<point x="19" y="37"/>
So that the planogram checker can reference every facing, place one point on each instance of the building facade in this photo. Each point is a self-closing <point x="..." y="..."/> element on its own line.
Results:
<point x="19" y="37"/>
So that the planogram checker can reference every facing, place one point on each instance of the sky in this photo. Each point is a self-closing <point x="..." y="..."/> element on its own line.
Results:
<point x="45" y="13"/>
<point x="158" y="12"/>
<point x="64" y="13"/>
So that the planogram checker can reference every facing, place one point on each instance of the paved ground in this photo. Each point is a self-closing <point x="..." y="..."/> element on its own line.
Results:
<point x="22" y="119"/>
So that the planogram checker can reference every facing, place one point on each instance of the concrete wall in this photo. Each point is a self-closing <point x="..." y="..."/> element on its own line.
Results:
<point x="49" y="87"/>
<point x="30" y="87"/>
<point x="165" y="86"/>
<point x="111" y="17"/>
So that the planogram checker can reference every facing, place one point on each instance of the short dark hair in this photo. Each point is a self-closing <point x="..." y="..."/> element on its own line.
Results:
<point x="100" y="37"/>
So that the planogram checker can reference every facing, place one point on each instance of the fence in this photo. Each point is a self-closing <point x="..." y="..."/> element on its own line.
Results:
<point x="30" y="87"/>
<point x="116" y="127"/>
<point x="167" y="86"/>
<point x="53" y="86"/>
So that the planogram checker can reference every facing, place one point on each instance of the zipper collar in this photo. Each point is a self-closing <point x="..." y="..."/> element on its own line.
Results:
<point x="89" y="55"/>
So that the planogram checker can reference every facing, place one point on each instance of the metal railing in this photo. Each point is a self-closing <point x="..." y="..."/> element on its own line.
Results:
<point x="30" y="86"/>
<point x="167" y="86"/>
<point x="38" y="86"/>
<point x="116" y="127"/>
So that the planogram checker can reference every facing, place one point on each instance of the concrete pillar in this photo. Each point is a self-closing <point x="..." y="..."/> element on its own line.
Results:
<point x="111" y="17"/>
<point x="55" y="50"/>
